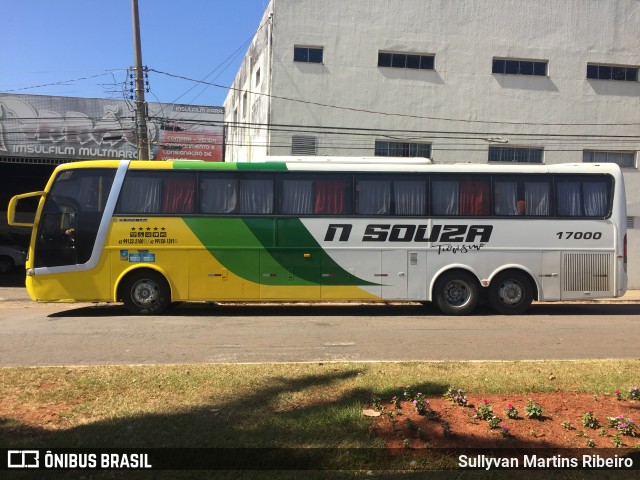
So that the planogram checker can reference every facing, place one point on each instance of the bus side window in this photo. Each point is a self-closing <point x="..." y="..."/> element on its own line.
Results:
<point x="596" y="198"/>
<point x="331" y="197"/>
<point x="475" y="196"/>
<point x="218" y="194"/>
<point x="410" y="197"/>
<point x="296" y="196"/>
<point x="140" y="195"/>
<point x="506" y="200"/>
<point x="256" y="195"/>
<point x="582" y="196"/>
<point x="537" y="198"/>
<point x="516" y="197"/>
<point x="373" y="196"/>
<point x="467" y="196"/>
<point x="445" y="197"/>
<point x="569" y="198"/>
<point x="178" y="195"/>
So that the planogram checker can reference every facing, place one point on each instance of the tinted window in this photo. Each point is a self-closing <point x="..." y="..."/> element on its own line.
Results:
<point x="522" y="196"/>
<point x="391" y="195"/>
<point x="307" y="54"/>
<point x="157" y="193"/>
<point x="460" y="195"/>
<point x="578" y="196"/>
<point x="315" y="195"/>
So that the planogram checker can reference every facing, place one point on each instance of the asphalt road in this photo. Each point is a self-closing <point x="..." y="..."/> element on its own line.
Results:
<point x="83" y="334"/>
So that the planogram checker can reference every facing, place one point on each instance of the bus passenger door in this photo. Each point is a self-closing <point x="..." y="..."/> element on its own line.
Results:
<point x="393" y="274"/>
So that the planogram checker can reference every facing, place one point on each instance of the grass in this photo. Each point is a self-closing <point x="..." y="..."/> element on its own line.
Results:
<point x="253" y="406"/>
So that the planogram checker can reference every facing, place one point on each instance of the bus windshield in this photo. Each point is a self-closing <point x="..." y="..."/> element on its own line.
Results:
<point x="71" y="216"/>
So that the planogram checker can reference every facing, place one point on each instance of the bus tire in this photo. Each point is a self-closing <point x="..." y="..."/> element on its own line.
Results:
<point x="146" y="292"/>
<point x="456" y="293"/>
<point x="511" y="292"/>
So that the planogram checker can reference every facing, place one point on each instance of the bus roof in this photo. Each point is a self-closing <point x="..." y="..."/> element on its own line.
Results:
<point x="357" y="164"/>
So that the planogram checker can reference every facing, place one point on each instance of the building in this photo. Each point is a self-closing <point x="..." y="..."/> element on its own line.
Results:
<point x="38" y="132"/>
<point x="507" y="81"/>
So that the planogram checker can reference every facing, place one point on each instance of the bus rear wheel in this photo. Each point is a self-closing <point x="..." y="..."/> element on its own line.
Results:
<point x="511" y="293"/>
<point x="456" y="293"/>
<point x="146" y="293"/>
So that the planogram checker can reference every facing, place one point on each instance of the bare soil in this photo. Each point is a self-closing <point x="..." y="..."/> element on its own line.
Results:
<point x="561" y="425"/>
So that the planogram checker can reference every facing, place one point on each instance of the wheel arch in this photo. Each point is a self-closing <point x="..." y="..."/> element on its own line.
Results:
<point x="117" y="289"/>
<point x="451" y="268"/>
<point x="516" y="268"/>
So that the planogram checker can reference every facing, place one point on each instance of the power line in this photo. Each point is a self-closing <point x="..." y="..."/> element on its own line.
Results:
<point x="203" y="81"/>
<point x="62" y="82"/>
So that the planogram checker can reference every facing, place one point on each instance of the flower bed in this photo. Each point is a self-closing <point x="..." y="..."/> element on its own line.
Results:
<point x="544" y="420"/>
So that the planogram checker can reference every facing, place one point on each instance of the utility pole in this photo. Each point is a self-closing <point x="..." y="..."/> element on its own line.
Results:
<point x="141" y="106"/>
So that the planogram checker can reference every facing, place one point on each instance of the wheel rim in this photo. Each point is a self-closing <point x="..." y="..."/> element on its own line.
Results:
<point x="145" y="293"/>
<point x="457" y="293"/>
<point x="511" y="293"/>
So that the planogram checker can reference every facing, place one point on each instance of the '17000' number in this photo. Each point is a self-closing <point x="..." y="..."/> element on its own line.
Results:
<point x="579" y="235"/>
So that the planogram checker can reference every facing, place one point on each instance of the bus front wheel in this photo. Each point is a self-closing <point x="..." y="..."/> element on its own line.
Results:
<point x="456" y="293"/>
<point x="146" y="293"/>
<point x="511" y="293"/>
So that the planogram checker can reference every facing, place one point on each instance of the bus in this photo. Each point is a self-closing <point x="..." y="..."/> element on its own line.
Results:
<point x="325" y="229"/>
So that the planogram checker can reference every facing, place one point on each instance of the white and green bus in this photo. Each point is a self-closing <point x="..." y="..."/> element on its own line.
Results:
<point x="286" y="229"/>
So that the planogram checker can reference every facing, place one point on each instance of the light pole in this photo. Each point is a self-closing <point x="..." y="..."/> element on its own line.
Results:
<point x="141" y="106"/>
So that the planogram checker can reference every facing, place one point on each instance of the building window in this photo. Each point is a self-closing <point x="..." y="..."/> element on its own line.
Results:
<point x="245" y="104"/>
<point x="520" y="67"/>
<point x="624" y="159"/>
<point x="307" y="54"/>
<point x="402" y="149"/>
<point x="257" y="77"/>
<point x="406" y="60"/>
<point x="612" y="72"/>
<point x="515" y="155"/>
<point x="304" y="145"/>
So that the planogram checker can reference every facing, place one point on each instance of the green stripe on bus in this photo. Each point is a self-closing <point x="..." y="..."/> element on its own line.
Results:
<point x="263" y="166"/>
<point x="231" y="242"/>
<point x="196" y="165"/>
<point x="294" y="241"/>
<point x="299" y="261"/>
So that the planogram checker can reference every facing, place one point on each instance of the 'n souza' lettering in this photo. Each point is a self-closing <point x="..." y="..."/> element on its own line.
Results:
<point x="412" y="233"/>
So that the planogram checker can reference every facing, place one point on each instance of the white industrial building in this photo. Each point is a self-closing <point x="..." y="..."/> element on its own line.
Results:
<point x="500" y="81"/>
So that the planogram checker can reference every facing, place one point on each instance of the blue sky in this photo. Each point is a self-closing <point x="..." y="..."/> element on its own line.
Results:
<point x="90" y="44"/>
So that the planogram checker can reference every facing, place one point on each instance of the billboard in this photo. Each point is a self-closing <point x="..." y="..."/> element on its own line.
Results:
<point x="36" y="126"/>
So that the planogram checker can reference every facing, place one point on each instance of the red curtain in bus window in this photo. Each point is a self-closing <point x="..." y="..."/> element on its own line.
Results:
<point x="178" y="195"/>
<point x="329" y="197"/>
<point x="474" y="197"/>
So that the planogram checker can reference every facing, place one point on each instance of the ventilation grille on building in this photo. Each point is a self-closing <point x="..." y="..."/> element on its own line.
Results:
<point x="631" y="222"/>
<point x="303" y="145"/>
<point x="587" y="272"/>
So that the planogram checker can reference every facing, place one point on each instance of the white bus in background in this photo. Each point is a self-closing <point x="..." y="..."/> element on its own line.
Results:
<point x="327" y="229"/>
